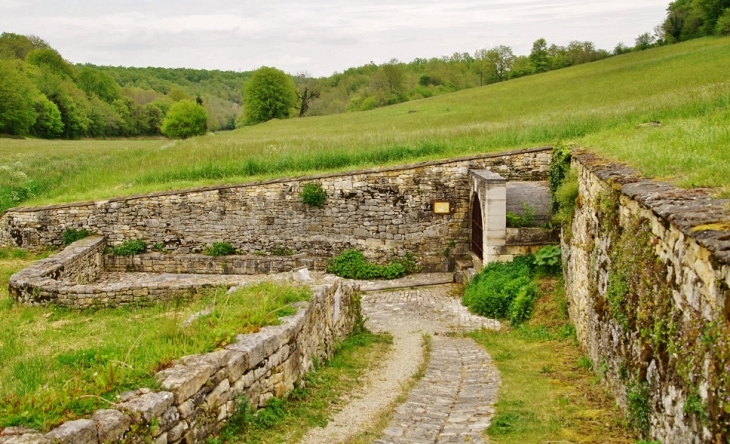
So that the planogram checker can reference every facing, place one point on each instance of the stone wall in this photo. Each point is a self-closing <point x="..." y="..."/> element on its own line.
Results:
<point x="77" y="265"/>
<point x="202" y="264"/>
<point x="647" y="270"/>
<point x="200" y="392"/>
<point x="78" y="277"/>
<point x="383" y="212"/>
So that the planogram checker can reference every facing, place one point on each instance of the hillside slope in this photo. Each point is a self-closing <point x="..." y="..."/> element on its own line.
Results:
<point x="601" y="105"/>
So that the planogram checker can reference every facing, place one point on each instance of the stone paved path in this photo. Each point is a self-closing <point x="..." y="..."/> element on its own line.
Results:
<point x="452" y="402"/>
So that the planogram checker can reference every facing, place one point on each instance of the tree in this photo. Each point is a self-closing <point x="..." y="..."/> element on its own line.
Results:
<point x="99" y="83"/>
<point x="644" y="41"/>
<point x="501" y="59"/>
<point x="49" y="124"/>
<point x="539" y="56"/>
<point x="15" y="46"/>
<point x="17" y="110"/>
<point x="185" y="119"/>
<point x="49" y="59"/>
<point x="270" y="94"/>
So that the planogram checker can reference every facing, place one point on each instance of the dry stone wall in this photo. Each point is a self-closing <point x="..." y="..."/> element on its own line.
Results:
<point x="201" y="392"/>
<point x="383" y="212"/>
<point x="202" y="264"/>
<point x="647" y="271"/>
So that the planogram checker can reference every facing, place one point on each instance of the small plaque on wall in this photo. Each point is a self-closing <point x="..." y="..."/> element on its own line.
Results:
<point x="441" y="207"/>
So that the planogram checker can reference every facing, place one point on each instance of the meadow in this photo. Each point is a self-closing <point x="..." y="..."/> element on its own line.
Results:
<point x="602" y="106"/>
<point x="60" y="364"/>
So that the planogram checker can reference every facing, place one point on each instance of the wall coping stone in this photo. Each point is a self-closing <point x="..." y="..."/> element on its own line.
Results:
<point x="487" y="176"/>
<point x="686" y="209"/>
<point x="23" y="209"/>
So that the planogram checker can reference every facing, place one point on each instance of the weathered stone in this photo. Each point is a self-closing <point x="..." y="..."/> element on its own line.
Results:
<point x="184" y="381"/>
<point x="150" y="405"/>
<point x="110" y="424"/>
<point x="80" y="431"/>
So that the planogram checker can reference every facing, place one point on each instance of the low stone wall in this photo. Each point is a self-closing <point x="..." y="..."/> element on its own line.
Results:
<point x="202" y="264"/>
<point x="647" y="270"/>
<point x="77" y="265"/>
<point x="384" y="212"/>
<point x="76" y="278"/>
<point x="200" y="391"/>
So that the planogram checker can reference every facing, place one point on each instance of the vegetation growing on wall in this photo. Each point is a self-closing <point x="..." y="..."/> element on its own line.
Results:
<point x="639" y="300"/>
<point x="313" y="194"/>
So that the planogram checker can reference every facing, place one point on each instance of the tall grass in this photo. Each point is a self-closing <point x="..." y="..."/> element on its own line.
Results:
<point x="685" y="86"/>
<point x="59" y="364"/>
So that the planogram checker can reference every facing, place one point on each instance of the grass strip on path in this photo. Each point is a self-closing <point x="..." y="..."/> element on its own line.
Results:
<point x="324" y="392"/>
<point x="58" y="363"/>
<point x="549" y="393"/>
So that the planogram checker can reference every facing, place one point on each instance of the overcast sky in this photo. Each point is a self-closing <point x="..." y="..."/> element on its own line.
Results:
<point x="317" y="36"/>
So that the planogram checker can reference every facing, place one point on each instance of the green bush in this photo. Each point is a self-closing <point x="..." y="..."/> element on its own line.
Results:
<point x="313" y="194"/>
<point x="526" y="219"/>
<point x="565" y="197"/>
<point x="559" y="167"/>
<point x="70" y="235"/>
<point x="130" y="247"/>
<point x="220" y="249"/>
<point x="548" y="260"/>
<point x="282" y="250"/>
<point x="185" y="119"/>
<point x="351" y="264"/>
<point x="503" y="290"/>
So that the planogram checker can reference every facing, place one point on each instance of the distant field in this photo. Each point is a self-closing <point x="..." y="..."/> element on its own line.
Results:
<point x="597" y="105"/>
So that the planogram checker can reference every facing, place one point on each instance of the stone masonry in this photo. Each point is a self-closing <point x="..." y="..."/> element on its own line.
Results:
<point x="384" y="212"/>
<point x="200" y="392"/>
<point x="691" y="246"/>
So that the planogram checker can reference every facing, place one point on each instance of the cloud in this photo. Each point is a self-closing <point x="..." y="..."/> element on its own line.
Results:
<point x="320" y="36"/>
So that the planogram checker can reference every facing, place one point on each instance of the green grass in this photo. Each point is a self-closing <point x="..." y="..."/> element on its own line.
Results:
<point x="547" y="392"/>
<point x="287" y="420"/>
<point x="598" y="105"/>
<point x="53" y="359"/>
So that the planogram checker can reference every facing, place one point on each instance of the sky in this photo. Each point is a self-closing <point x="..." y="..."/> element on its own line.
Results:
<point x="318" y="37"/>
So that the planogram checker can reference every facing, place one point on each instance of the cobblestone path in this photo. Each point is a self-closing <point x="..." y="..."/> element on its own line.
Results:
<point x="452" y="403"/>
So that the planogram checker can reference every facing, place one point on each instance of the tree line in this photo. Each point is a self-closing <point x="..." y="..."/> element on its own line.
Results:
<point x="45" y="96"/>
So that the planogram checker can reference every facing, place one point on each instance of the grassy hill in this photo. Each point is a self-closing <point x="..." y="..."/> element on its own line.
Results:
<point x="599" y="105"/>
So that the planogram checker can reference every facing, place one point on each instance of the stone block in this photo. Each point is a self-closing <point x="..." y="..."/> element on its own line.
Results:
<point x="184" y="381"/>
<point x="150" y="405"/>
<point x="80" y="431"/>
<point x="110" y="424"/>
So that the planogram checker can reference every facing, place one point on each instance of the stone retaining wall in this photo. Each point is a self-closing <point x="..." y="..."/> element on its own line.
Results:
<point x="77" y="265"/>
<point x="383" y="212"/>
<point x="200" y="392"/>
<point x="202" y="264"/>
<point x="647" y="270"/>
<point x="79" y="277"/>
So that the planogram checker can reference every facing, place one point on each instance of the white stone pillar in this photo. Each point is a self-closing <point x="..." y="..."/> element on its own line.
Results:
<point x="492" y="191"/>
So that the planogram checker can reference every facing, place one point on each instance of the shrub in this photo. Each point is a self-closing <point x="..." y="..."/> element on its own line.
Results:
<point x="130" y="247"/>
<point x="185" y="119"/>
<point x="503" y="290"/>
<point x="70" y="235"/>
<point x="282" y="250"/>
<point x="548" y="260"/>
<point x="559" y="167"/>
<point x="351" y="264"/>
<point x="313" y="194"/>
<point x="220" y="249"/>
<point x="526" y="219"/>
<point x="565" y="197"/>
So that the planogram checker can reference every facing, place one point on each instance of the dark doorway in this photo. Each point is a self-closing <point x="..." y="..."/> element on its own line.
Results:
<point x="477" y="236"/>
